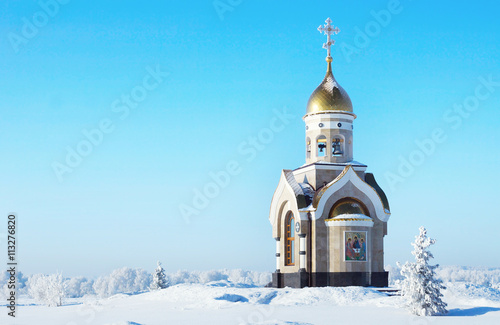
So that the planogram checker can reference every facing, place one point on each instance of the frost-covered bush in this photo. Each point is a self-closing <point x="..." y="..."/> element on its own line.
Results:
<point x="46" y="289"/>
<point x="124" y="280"/>
<point x="182" y="276"/>
<point x="420" y="287"/>
<point x="21" y="281"/>
<point x="127" y="280"/>
<point x="479" y="276"/>
<point x="249" y="277"/>
<point x="395" y="276"/>
<point x="78" y="287"/>
<point x="489" y="277"/>
<point x="252" y="278"/>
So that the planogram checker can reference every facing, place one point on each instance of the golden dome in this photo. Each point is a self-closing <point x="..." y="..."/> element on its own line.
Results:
<point x="329" y="96"/>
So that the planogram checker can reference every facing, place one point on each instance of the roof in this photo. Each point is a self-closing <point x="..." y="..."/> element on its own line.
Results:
<point x="352" y="163"/>
<point x="374" y="193"/>
<point x="370" y="179"/>
<point x="304" y="192"/>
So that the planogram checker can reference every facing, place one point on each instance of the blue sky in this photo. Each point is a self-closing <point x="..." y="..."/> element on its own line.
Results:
<point x="221" y="75"/>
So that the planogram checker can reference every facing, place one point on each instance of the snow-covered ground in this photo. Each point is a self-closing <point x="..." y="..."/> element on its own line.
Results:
<point x="223" y="302"/>
<point x="239" y="301"/>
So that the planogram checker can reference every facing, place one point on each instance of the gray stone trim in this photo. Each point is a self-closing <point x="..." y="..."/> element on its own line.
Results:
<point x="332" y="164"/>
<point x="334" y="279"/>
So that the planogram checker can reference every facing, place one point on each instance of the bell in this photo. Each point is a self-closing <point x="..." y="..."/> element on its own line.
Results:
<point x="321" y="146"/>
<point x="336" y="148"/>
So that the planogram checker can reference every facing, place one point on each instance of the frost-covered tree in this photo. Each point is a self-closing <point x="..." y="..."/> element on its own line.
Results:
<point x="124" y="280"/>
<point x="78" y="287"/>
<point x="46" y="289"/>
<point x="420" y="288"/>
<point x="159" y="279"/>
<point x="21" y="281"/>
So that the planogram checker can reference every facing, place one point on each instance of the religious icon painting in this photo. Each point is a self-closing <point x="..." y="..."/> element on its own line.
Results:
<point x="355" y="245"/>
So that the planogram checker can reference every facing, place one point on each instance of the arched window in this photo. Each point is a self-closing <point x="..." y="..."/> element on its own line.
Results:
<point x="321" y="146"/>
<point x="308" y="148"/>
<point x="290" y="239"/>
<point x="348" y="206"/>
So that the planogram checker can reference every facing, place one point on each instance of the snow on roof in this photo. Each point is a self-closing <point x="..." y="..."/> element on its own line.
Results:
<point x="320" y="162"/>
<point x="357" y="217"/>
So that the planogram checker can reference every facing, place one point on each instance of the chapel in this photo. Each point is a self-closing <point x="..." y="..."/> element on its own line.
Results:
<point x="329" y="216"/>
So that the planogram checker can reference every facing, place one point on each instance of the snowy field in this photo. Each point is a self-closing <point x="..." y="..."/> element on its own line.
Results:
<point x="238" y="297"/>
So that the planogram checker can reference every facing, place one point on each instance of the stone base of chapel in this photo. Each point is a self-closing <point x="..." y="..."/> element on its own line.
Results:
<point x="332" y="279"/>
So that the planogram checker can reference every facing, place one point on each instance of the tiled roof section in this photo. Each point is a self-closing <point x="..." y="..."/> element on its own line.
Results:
<point x="303" y="192"/>
<point x="308" y="191"/>
<point x="370" y="179"/>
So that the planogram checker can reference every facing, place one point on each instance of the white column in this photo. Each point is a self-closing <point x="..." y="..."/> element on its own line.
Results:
<point x="302" y="251"/>
<point x="277" y="254"/>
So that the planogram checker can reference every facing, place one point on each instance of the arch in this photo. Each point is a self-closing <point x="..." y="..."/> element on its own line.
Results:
<point x="348" y="205"/>
<point x="349" y="175"/>
<point x="321" y="146"/>
<point x="285" y="205"/>
<point x="289" y="239"/>
<point x="308" y="148"/>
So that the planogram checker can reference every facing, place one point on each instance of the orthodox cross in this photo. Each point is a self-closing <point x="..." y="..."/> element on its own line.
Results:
<point x="329" y="31"/>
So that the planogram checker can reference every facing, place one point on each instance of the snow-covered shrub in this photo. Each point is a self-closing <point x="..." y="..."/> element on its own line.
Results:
<point x="420" y="288"/>
<point x="183" y="276"/>
<point x="46" y="289"/>
<point x="249" y="277"/>
<point x="78" y="287"/>
<point x="210" y="276"/>
<point x="252" y="278"/>
<point x="159" y="279"/>
<point x="395" y="276"/>
<point x="20" y="284"/>
<point x="489" y="277"/>
<point x="479" y="276"/>
<point x="124" y="280"/>
<point x="4" y="291"/>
